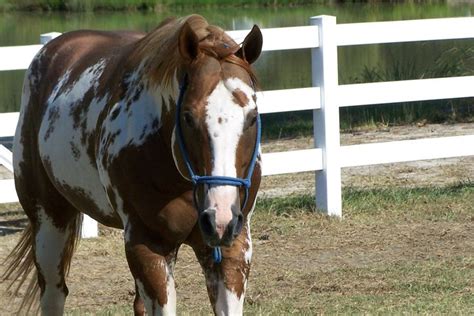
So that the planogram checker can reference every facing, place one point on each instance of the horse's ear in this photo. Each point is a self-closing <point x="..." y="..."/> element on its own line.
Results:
<point x="188" y="43"/>
<point x="252" y="45"/>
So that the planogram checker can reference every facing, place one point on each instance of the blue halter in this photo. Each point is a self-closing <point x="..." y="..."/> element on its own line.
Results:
<point x="213" y="180"/>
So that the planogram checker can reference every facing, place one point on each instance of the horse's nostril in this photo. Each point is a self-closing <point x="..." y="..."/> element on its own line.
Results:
<point x="206" y="221"/>
<point x="238" y="225"/>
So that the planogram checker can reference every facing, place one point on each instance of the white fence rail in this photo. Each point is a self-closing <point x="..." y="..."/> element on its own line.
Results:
<point x="325" y="98"/>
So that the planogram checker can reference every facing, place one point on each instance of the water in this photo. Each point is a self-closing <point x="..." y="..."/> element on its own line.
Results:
<point x="276" y="70"/>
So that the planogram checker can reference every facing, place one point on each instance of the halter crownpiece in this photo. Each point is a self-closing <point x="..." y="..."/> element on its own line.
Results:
<point x="213" y="180"/>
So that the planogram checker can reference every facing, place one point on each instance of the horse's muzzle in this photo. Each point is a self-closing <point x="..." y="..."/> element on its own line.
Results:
<point x="216" y="234"/>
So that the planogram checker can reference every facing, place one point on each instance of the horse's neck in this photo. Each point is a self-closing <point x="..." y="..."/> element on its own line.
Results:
<point x="141" y="110"/>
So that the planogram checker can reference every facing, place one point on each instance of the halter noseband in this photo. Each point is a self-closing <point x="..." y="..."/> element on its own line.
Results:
<point x="213" y="180"/>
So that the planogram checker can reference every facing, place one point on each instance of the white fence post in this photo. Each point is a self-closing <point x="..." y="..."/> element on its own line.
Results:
<point x="6" y="158"/>
<point x="89" y="228"/>
<point x="46" y="37"/>
<point x="326" y="119"/>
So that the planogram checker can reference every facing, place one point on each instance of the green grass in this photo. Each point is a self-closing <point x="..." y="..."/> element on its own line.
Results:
<point x="442" y="203"/>
<point x="286" y="205"/>
<point x="108" y="311"/>
<point x="433" y="203"/>
<point x="426" y="288"/>
<point x="287" y="124"/>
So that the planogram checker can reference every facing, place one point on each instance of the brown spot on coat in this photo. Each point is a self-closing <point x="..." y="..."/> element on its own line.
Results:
<point x="76" y="153"/>
<point x="53" y="116"/>
<point x="240" y="97"/>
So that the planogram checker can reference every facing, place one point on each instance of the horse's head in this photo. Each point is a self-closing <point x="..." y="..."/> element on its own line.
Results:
<point x="217" y="126"/>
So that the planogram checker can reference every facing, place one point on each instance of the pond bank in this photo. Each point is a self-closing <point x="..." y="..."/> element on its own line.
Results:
<point x="147" y="5"/>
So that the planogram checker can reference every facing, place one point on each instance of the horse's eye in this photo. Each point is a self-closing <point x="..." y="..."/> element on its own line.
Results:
<point x="251" y="119"/>
<point x="188" y="119"/>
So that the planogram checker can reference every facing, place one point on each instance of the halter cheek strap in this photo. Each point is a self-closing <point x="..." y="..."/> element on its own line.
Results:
<point x="197" y="180"/>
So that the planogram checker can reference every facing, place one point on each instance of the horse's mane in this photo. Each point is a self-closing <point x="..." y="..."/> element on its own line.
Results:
<point x="159" y="48"/>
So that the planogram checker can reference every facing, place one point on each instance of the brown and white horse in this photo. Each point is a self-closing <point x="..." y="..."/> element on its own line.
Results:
<point x="105" y="129"/>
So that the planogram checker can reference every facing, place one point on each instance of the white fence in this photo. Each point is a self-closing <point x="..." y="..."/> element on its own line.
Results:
<point x="326" y="96"/>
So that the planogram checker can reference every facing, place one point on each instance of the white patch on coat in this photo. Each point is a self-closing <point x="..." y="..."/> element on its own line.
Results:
<point x="96" y="107"/>
<point x="225" y="122"/>
<point x="169" y="94"/>
<point x="131" y="127"/>
<point x="119" y="205"/>
<point x="170" y="307"/>
<point x="233" y="84"/>
<point x="147" y="301"/>
<point x="151" y="305"/>
<point x="142" y="118"/>
<point x="227" y="302"/>
<point x="60" y="142"/>
<point x="50" y="242"/>
<point x="249" y="251"/>
<point x="136" y="119"/>
<point x="17" y="144"/>
<point x="122" y="214"/>
<point x="119" y="208"/>
<point x="30" y="79"/>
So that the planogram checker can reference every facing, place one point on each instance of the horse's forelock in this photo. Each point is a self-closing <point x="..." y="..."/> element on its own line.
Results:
<point x="221" y="46"/>
<point x="215" y="42"/>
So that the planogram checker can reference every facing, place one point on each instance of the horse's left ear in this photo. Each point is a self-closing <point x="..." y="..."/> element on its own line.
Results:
<point x="252" y="45"/>
<point x="188" y="43"/>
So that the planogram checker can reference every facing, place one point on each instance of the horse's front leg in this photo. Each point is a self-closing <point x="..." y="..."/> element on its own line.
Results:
<point x="151" y="263"/>
<point x="226" y="281"/>
<point x="138" y="305"/>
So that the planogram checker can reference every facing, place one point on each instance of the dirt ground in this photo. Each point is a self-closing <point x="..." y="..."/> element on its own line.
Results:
<point x="285" y="264"/>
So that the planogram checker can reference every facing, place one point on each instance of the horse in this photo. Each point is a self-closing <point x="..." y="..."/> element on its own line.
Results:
<point x="154" y="133"/>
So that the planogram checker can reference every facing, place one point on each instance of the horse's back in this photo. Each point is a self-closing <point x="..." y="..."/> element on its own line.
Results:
<point x="75" y="51"/>
<point x="66" y="88"/>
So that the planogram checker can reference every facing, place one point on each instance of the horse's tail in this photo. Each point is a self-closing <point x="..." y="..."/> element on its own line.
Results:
<point x="20" y="265"/>
<point x="19" y="268"/>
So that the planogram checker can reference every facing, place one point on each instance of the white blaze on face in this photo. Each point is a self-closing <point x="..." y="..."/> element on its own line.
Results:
<point x="225" y="122"/>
